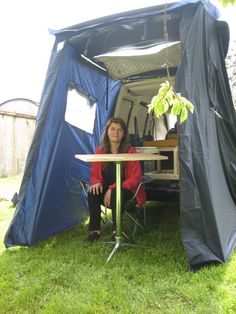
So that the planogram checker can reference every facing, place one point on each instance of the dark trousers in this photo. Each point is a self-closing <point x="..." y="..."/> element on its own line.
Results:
<point x="95" y="202"/>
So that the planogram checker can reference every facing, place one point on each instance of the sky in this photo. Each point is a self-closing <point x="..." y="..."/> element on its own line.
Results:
<point x="26" y="43"/>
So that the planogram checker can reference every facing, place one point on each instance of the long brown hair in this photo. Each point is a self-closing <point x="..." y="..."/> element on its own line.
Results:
<point x="105" y="142"/>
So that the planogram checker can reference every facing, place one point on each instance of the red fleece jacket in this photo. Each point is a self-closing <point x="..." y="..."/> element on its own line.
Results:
<point x="132" y="173"/>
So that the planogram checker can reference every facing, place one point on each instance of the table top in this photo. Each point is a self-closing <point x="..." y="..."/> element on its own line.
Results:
<point x="119" y="157"/>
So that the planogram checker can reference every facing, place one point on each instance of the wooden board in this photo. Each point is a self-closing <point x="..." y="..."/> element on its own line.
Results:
<point x="161" y="143"/>
<point x="165" y="146"/>
<point x="162" y="176"/>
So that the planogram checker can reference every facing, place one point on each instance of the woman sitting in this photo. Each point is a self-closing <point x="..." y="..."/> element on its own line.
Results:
<point x="115" y="139"/>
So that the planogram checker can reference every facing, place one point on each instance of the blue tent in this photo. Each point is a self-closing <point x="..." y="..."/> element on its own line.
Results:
<point x="49" y="198"/>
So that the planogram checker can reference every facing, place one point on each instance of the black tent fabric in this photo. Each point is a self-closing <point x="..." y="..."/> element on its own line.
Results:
<point x="48" y="201"/>
<point x="207" y="143"/>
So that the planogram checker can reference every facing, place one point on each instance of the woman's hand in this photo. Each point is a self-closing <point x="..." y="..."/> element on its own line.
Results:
<point x="96" y="188"/>
<point x="107" y="198"/>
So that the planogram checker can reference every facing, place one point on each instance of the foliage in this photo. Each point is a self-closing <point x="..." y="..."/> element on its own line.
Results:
<point x="167" y="99"/>
<point x="227" y="2"/>
<point x="231" y="69"/>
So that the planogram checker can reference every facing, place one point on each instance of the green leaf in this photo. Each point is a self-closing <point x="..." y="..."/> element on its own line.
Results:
<point x="166" y="106"/>
<point x="163" y="89"/>
<point x="190" y="106"/>
<point x="159" y="109"/>
<point x="154" y="101"/>
<point x="183" y="115"/>
<point x="150" y="108"/>
<point x="175" y="109"/>
<point x="167" y="98"/>
<point x="170" y="99"/>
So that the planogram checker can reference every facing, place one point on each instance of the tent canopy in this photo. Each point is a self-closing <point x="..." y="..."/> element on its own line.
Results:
<point x="93" y="74"/>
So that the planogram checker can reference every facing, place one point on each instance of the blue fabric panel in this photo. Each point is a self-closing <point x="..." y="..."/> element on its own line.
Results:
<point x="53" y="200"/>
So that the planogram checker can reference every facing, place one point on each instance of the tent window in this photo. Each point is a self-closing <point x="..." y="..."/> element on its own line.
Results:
<point x="80" y="109"/>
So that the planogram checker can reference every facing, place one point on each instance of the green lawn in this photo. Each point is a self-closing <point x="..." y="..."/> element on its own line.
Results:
<point x="8" y="186"/>
<point x="66" y="275"/>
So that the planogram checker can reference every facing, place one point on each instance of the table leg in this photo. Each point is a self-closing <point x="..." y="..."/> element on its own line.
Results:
<point x="118" y="198"/>
<point x="118" y="237"/>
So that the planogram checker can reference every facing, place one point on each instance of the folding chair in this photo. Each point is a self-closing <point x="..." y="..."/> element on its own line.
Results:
<point x="132" y="207"/>
<point x="105" y="218"/>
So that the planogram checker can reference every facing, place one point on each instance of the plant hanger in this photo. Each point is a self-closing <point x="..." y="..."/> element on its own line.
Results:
<point x="166" y="98"/>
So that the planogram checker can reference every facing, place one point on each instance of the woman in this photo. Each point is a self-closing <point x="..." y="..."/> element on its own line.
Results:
<point x="115" y="139"/>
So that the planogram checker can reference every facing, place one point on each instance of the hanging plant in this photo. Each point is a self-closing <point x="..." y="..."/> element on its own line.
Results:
<point x="168" y="99"/>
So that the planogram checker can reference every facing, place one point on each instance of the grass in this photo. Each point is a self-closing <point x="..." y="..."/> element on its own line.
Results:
<point x="8" y="186"/>
<point x="66" y="275"/>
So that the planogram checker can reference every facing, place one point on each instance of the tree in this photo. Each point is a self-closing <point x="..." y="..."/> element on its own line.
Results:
<point x="226" y="2"/>
<point x="231" y="69"/>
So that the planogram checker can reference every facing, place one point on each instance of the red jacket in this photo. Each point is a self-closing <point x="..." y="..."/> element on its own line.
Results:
<point x="132" y="173"/>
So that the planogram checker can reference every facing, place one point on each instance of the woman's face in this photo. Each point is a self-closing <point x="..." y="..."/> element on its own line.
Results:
<point x="115" y="133"/>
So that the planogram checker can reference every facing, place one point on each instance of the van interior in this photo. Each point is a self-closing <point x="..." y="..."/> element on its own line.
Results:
<point x="138" y="54"/>
<point x="141" y="72"/>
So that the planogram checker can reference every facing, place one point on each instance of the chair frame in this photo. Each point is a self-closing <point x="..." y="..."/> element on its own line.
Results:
<point x="145" y="179"/>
